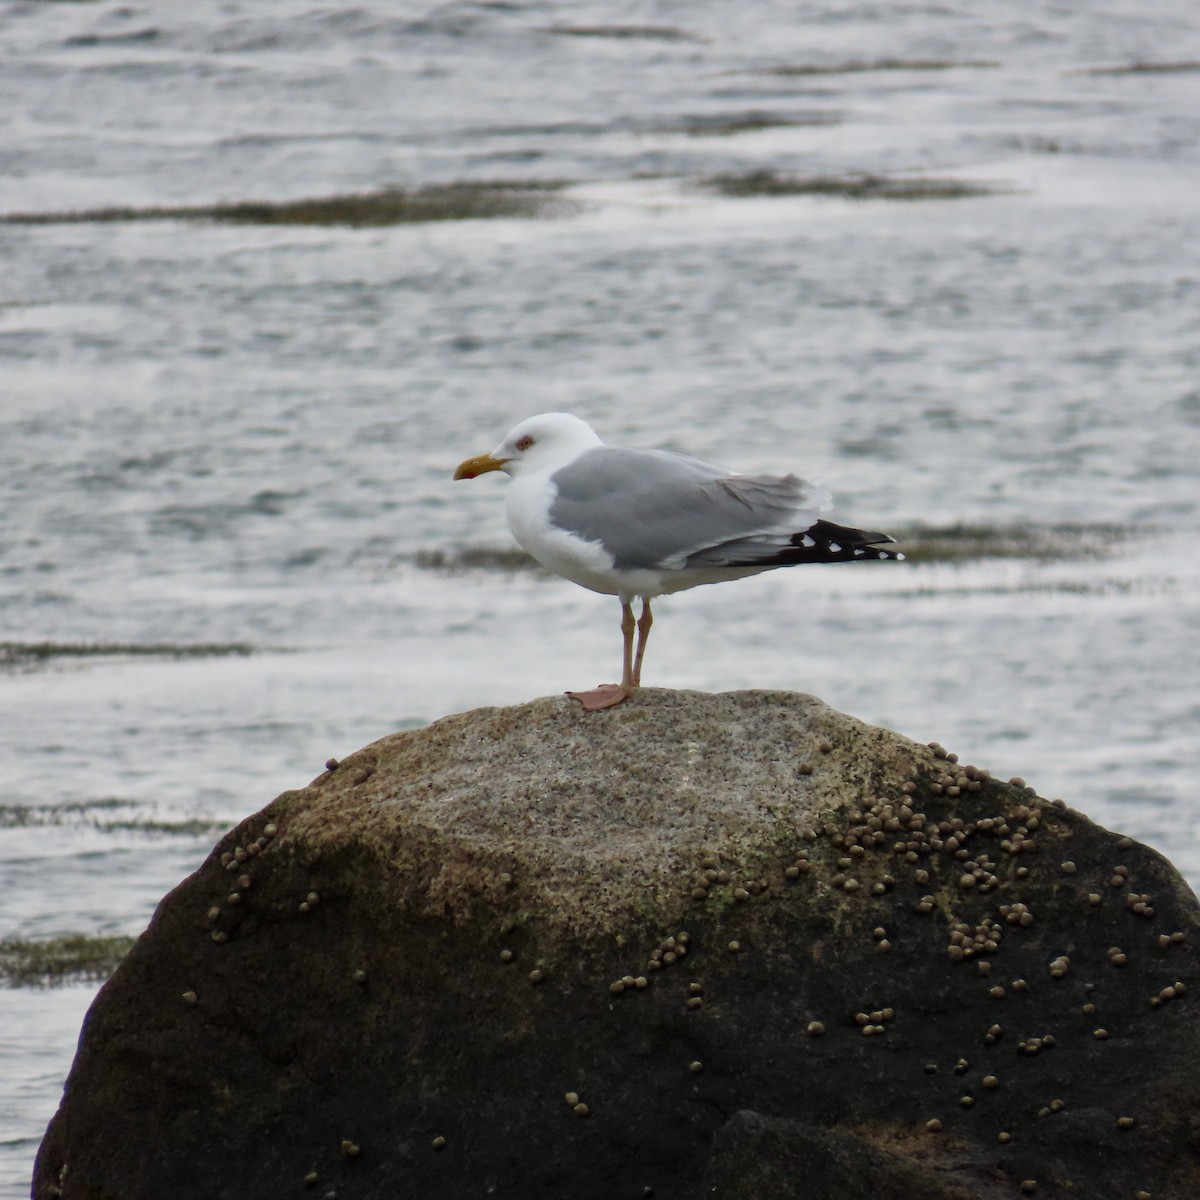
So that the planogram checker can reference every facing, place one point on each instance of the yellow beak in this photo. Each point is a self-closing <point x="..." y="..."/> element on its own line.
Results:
<point x="479" y="465"/>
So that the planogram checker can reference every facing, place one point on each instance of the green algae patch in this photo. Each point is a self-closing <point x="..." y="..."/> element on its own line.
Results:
<point x="851" y="187"/>
<point x="388" y="206"/>
<point x="73" y="958"/>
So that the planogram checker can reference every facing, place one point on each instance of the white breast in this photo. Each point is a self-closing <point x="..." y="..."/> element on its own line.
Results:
<point x="588" y="564"/>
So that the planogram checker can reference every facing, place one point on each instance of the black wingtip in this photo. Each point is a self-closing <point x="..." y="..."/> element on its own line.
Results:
<point x="827" y="542"/>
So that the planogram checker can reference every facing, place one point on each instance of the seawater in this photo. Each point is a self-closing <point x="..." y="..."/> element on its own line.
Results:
<point x="244" y="434"/>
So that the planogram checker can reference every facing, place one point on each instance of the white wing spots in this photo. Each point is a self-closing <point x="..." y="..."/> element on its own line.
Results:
<point x="807" y="541"/>
<point x="834" y="548"/>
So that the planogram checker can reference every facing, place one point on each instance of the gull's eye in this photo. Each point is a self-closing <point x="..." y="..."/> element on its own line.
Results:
<point x="524" y="443"/>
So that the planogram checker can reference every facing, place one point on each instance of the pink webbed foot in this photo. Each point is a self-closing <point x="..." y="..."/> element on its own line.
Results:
<point x="603" y="695"/>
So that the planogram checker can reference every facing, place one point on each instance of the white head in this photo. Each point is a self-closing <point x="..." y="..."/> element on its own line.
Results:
<point x="545" y="442"/>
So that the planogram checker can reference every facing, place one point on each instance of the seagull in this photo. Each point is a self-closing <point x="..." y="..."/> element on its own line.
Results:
<point x="637" y="524"/>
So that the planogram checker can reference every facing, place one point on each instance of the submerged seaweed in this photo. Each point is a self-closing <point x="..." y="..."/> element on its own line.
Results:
<point x="1044" y="543"/>
<point x="68" y="959"/>
<point x="92" y="814"/>
<point x="389" y="206"/>
<point x="730" y="124"/>
<point x="880" y="64"/>
<point x="24" y="654"/>
<point x="1146" y="68"/>
<point x="654" y="33"/>
<point x="863" y="186"/>
<point x="476" y="558"/>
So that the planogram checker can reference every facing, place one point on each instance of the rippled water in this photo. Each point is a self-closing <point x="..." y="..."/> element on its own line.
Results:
<point x="244" y="434"/>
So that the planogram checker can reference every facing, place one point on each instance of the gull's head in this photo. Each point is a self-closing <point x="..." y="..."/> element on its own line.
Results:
<point x="544" y="442"/>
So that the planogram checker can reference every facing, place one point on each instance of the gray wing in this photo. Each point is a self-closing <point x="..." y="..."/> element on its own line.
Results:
<point x="651" y="509"/>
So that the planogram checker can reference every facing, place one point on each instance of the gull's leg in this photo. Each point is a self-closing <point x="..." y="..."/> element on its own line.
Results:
<point x="609" y="695"/>
<point x="643" y="629"/>
<point x="627" y="628"/>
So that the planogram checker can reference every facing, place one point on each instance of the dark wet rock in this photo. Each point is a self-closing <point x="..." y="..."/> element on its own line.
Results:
<point x="756" y="1156"/>
<point x="493" y="958"/>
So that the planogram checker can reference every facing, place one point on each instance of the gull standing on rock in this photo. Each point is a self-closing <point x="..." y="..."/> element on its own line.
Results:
<point x="645" y="523"/>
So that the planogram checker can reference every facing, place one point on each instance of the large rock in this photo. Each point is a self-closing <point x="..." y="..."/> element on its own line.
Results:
<point x="735" y="946"/>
